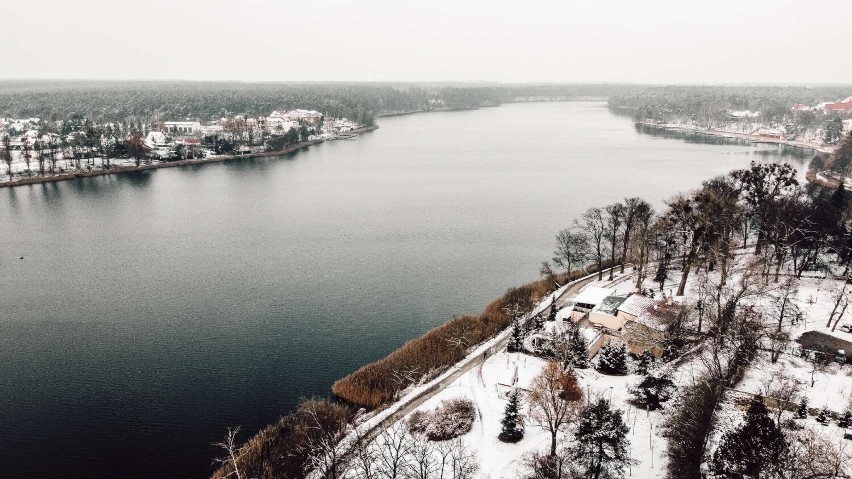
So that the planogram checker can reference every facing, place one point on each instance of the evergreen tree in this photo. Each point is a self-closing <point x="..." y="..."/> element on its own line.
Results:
<point x="802" y="411"/>
<point x="538" y="321"/>
<point x="516" y="340"/>
<point x="551" y="316"/>
<point x="653" y="390"/>
<point x="613" y="359"/>
<point x="574" y="352"/>
<point x="646" y="360"/>
<point x="512" y="428"/>
<point x="754" y="447"/>
<point x="846" y="420"/>
<point x="838" y="198"/>
<point x="823" y="416"/>
<point x="601" y="441"/>
<point x="833" y="131"/>
<point x="662" y="274"/>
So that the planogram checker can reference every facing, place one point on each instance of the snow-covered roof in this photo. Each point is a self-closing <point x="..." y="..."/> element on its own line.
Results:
<point x="636" y="305"/>
<point x="610" y="304"/>
<point x="593" y="295"/>
<point x="651" y="318"/>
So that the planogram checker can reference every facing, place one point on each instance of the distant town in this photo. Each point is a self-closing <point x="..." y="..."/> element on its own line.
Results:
<point x="43" y="149"/>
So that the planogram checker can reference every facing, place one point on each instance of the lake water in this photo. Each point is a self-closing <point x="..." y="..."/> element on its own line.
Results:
<point x="141" y="315"/>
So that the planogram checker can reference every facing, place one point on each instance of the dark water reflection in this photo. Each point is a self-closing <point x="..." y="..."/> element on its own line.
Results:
<point x="153" y="310"/>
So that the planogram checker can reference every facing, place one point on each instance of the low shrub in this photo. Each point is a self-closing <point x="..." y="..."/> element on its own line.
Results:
<point x="418" y="421"/>
<point x="453" y="418"/>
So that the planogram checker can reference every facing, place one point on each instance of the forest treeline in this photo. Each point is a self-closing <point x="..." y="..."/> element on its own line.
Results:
<point x="151" y="101"/>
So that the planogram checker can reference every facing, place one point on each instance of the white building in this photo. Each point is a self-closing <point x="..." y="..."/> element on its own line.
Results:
<point x="155" y="139"/>
<point x="182" y="127"/>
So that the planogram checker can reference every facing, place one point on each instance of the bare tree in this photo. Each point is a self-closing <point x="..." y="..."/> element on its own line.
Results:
<point x="841" y="301"/>
<point x="554" y="400"/>
<point x="6" y="152"/>
<point x="594" y="224"/>
<point x="423" y="464"/>
<point x="549" y="276"/>
<point x="394" y="448"/>
<point x="364" y="457"/>
<point x="785" y="310"/>
<point x="614" y="220"/>
<point x="27" y="155"/>
<point x="571" y="250"/>
<point x="814" y="455"/>
<point x="778" y="341"/>
<point x="783" y="388"/>
<point x="643" y="218"/>
<point x="538" y="465"/>
<point x="462" y="460"/>
<point x="403" y="377"/>
<point x="634" y="208"/>
<point x="327" y="425"/>
<point x="229" y="445"/>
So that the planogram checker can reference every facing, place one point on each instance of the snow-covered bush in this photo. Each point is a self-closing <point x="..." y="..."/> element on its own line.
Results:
<point x="453" y="418"/>
<point x="802" y="411"/>
<point x="613" y="359"/>
<point x="418" y="421"/>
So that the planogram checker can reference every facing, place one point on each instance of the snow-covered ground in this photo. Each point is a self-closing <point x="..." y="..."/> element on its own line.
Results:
<point x="487" y="385"/>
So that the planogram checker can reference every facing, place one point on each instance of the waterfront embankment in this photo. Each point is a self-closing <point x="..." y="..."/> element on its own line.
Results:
<point x="118" y="169"/>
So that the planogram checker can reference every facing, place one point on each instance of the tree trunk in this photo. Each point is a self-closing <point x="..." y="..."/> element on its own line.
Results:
<point x="553" y="443"/>
<point x="612" y="258"/>
<point x="836" y="305"/>
<point x="843" y="310"/>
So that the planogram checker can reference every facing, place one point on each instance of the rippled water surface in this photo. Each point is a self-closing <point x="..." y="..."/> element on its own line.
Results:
<point x="143" y="314"/>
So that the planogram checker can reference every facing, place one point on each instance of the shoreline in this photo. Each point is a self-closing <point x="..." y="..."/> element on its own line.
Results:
<point x="739" y="136"/>
<point x="34" y="180"/>
<point x="813" y="174"/>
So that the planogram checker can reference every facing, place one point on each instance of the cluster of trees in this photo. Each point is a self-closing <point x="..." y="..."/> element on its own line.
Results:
<point x="597" y="446"/>
<point x="604" y="236"/>
<point x="841" y="160"/>
<point x="709" y="106"/>
<point x="759" y="447"/>
<point x="784" y="229"/>
<point x="398" y="453"/>
<point x="791" y="228"/>
<point x="43" y="155"/>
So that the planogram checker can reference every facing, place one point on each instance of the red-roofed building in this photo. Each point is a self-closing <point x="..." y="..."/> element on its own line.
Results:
<point x="842" y="105"/>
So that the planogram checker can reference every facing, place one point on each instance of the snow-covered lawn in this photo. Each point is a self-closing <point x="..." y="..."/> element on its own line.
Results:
<point x="487" y="385"/>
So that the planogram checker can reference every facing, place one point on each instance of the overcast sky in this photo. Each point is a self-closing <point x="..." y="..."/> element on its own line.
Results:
<point x="650" y="41"/>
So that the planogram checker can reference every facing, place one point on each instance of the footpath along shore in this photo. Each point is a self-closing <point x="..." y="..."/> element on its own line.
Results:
<point x="165" y="164"/>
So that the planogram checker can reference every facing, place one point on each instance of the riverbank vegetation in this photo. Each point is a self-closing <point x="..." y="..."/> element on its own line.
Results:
<point x="793" y="113"/>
